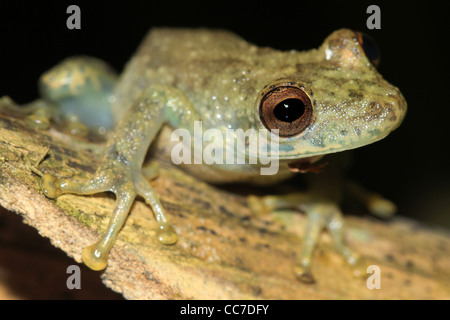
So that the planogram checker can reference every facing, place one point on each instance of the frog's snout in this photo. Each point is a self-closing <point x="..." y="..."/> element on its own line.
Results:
<point x="381" y="115"/>
<point x="394" y="108"/>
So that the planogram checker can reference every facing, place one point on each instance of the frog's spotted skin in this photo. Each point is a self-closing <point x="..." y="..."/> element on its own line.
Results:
<point x="179" y="76"/>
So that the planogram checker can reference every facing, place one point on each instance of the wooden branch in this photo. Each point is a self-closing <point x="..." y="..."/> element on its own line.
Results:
<point x="224" y="251"/>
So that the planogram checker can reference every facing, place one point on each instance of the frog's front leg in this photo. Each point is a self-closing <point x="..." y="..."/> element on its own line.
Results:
<point x="322" y="214"/>
<point x="120" y="169"/>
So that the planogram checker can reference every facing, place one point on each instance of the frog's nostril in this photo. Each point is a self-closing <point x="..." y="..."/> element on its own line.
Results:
<point x="399" y="102"/>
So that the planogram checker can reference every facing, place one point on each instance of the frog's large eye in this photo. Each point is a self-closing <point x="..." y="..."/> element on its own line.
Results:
<point x="369" y="46"/>
<point x="286" y="108"/>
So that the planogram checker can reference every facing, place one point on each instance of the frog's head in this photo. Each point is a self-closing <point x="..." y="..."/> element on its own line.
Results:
<point x="329" y="100"/>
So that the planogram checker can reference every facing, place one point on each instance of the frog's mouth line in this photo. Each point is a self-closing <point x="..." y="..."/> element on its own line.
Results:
<point x="307" y="165"/>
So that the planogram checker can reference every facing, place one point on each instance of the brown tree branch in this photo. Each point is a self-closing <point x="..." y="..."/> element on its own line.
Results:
<point x="224" y="251"/>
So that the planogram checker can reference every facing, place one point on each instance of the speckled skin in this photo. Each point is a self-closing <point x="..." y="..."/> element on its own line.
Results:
<point x="178" y="76"/>
<point x="223" y="77"/>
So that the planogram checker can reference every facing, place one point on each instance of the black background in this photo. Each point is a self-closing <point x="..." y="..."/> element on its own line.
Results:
<point x="410" y="166"/>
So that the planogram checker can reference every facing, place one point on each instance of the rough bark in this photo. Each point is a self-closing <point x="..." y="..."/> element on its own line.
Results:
<point x="224" y="251"/>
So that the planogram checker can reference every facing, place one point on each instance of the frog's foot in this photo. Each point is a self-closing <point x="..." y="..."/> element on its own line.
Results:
<point x="327" y="216"/>
<point x="126" y="189"/>
<point x="39" y="118"/>
<point x="37" y="113"/>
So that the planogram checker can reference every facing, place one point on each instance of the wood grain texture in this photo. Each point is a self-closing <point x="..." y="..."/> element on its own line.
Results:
<point x="224" y="250"/>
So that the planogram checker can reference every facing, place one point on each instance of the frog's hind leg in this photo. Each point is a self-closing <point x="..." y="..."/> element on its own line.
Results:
<point x="36" y="114"/>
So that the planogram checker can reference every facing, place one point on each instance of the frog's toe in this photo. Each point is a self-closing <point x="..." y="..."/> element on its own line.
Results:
<point x="167" y="235"/>
<point x="51" y="186"/>
<point x="257" y="205"/>
<point x="303" y="273"/>
<point x="93" y="258"/>
<point x="96" y="256"/>
<point x="335" y="226"/>
<point x="381" y="207"/>
<point x="37" y="121"/>
<point x="151" y="170"/>
<point x="359" y="266"/>
<point x="75" y="127"/>
<point x="54" y="187"/>
<point x="267" y="204"/>
<point x="38" y="114"/>
<point x="315" y="225"/>
<point x="374" y="202"/>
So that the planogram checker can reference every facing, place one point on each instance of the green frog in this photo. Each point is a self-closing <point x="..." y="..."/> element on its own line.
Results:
<point x="306" y="105"/>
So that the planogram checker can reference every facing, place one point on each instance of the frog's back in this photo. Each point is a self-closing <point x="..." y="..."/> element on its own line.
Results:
<point x="182" y="58"/>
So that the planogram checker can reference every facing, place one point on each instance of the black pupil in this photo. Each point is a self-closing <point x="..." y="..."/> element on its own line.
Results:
<point x="289" y="110"/>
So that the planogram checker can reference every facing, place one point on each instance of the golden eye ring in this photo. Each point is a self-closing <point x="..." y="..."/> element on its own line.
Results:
<point x="286" y="108"/>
